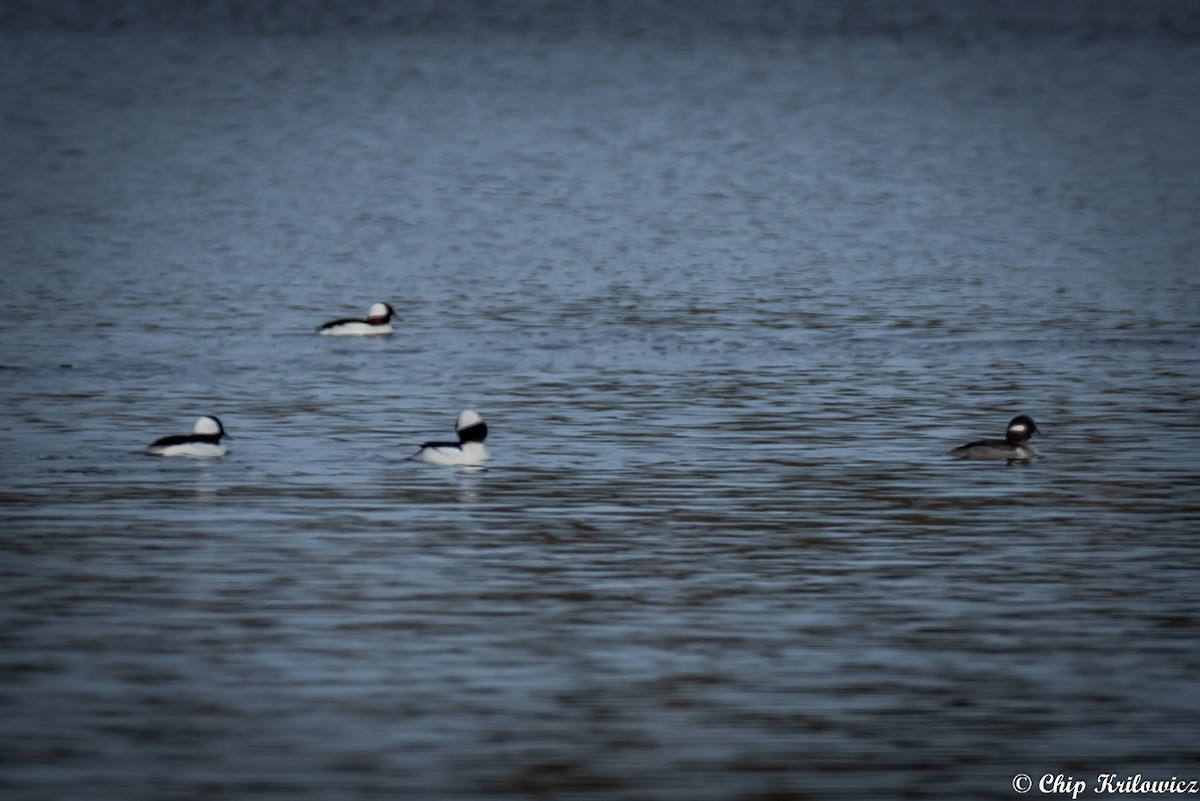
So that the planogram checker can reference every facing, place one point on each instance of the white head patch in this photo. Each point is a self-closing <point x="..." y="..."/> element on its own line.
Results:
<point x="206" y="425"/>
<point x="1019" y="428"/>
<point x="467" y="419"/>
<point x="377" y="310"/>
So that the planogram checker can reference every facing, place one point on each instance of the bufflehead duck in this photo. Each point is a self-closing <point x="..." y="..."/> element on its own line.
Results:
<point x="204" y="441"/>
<point x="378" y="322"/>
<point x="468" y="450"/>
<point x="1015" y="445"/>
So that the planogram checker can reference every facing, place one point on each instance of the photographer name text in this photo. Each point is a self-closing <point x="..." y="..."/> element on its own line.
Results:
<point x="1105" y="784"/>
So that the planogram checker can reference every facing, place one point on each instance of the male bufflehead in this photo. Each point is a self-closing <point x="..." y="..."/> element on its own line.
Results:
<point x="204" y="441"/>
<point x="378" y="322"/>
<point x="469" y="449"/>
<point x="1015" y="445"/>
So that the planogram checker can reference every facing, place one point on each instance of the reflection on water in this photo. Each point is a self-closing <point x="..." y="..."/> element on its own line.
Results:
<point x="724" y="326"/>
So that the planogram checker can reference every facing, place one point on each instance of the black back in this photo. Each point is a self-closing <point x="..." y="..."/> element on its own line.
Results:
<point x="988" y="443"/>
<point x="441" y="445"/>
<point x="334" y="323"/>
<point x="183" y="439"/>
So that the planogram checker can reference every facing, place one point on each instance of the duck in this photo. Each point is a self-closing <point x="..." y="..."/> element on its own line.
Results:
<point x="204" y="442"/>
<point x="1015" y="446"/>
<point x="468" y="450"/>
<point x="378" y="323"/>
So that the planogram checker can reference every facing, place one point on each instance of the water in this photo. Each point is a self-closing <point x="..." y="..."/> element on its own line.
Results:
<point x="725" y="300"/>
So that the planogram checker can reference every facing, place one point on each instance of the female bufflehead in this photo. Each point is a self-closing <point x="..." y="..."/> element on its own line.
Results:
<point x="469" y="449"/>
<point x="204" y="441"/>
<point x="1015" y="445"/>
<point x="378" y="322"/>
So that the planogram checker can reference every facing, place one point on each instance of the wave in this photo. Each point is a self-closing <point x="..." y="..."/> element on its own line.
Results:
<point x="949" y="20"/>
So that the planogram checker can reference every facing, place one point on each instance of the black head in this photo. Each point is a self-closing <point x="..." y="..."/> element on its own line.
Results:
<point x="470" y="427"/>
<point x="473" y="433"/>
<point x="380" y="313"/>
<point x="209" y="428"/>
<point x="1020" y="429"/>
